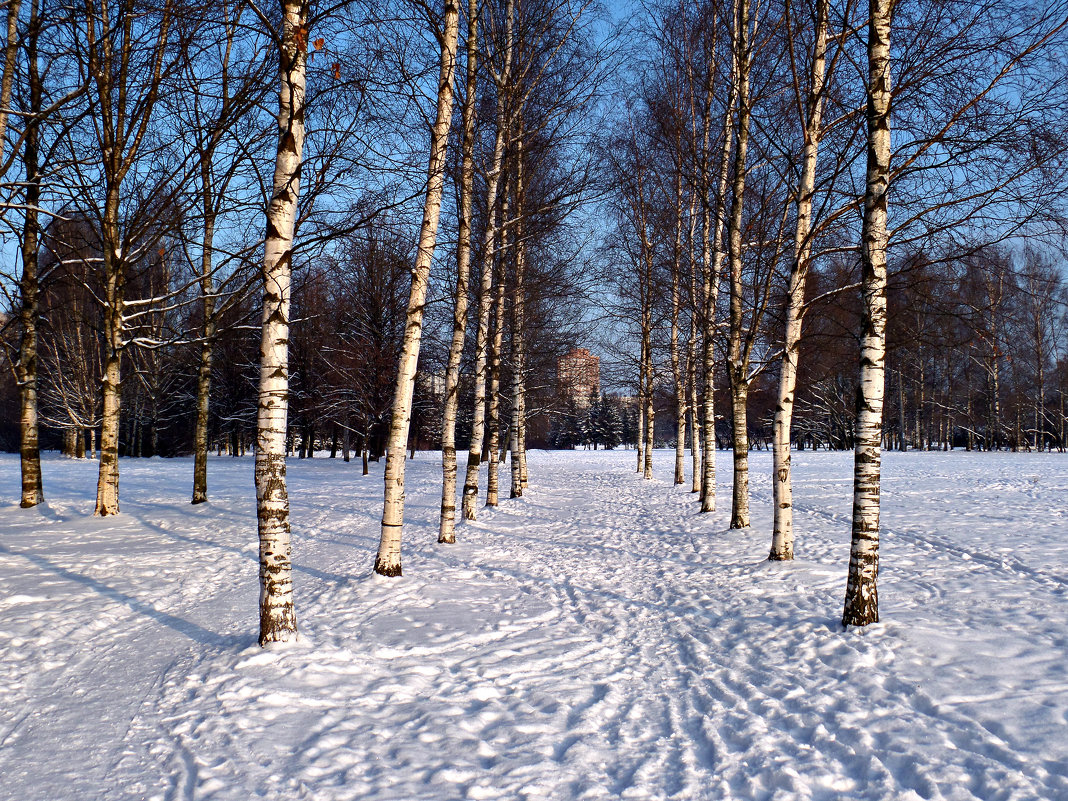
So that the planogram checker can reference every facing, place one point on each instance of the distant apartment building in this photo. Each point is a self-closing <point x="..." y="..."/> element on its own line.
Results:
<point x="578" y="375"/>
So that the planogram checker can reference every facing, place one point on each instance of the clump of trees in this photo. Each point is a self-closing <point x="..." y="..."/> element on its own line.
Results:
<point x="860" y="271"/>
<point x="370" y="230"/>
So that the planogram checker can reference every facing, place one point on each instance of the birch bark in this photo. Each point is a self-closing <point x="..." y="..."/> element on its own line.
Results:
<point x="29" y="309"/>
<point x="518" y="310"/>
<point x="447" y="523"/>
<point x="107" y="487"/>
<point x="122" y="127"/>
<point x="494" y="418"/>
<point x="388" y="560"/>
<point x="675" y="356"/>
<point x="207" y="291"/>
<point x="712" y="263"/>
<point x="641" y="408"/>
<point x="650" y="411"/>
<point x="691" y="359"/>
<point x="7" y="77"/>
<point x="647" y="421"/>
<point x="485" y="302"/>
<point x="736" y="362"/>
<point x="862" y="596"/>
<point x="26" y="368"/>
<point x="278" y="620"/>
<point x="782" y="542"/>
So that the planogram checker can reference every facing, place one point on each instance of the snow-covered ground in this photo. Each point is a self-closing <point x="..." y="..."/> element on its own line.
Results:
<point x="596" y="639"/>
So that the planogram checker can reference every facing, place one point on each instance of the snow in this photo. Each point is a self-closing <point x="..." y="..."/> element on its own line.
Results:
<point x="596" y="639"/>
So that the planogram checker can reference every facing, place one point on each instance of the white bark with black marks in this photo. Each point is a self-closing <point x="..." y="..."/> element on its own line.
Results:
<point x="493" y="416"/>
<point x="447" y="521"/>
<point x="712" y="266"/>
<point x="782" y="543"/>
<point x="207" y="291"/>
<point x="123" y="125"/>
<point x="502" y="80"/>
<point x="862" y="594"/>
<point x="388" y="560"/>
<point x="674" y="352"/>
<point x="518" y="326"/>
<point x="737" y="363"/>
<point x="29" y="288"/>
<point x="278" y="621"/>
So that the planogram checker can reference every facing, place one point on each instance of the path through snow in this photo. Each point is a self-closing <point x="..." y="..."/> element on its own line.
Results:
<point x="596" y="639"/>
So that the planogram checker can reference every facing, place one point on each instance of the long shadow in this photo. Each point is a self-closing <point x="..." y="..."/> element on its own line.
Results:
<point x="185" y="627"/>
<point x="336" y="578"/>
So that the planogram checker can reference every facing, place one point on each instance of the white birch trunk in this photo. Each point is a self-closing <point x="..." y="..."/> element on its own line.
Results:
<point x="712" y="262"/>
<point x="26" y="370"/>
<point x="518" y="326"/>
<point x="782" y="542"/>
<point x="641" y="408"/>
<point x="447" y="523"/>
<point x="513" y="443"/>
<point x="29" y="311"/>
<point x="11" y="47"/>
<point x="862" y="596"/>
<point x="207" y="291"/>
<point x="648" y="421"/>
<point x="523" y="477"/>
<point x="119" y="138"/>
<point x="494" y="403"/>
<point x="675" y="356"/>
<point x="737" y="362"/>
<point x="388" y="560"/>
<point x="486" y="294"/>
<point x="691" y="361"/>
<point x="650" y="411"/>
<point x="278" y="620"/>
<point x="107" y="486"/>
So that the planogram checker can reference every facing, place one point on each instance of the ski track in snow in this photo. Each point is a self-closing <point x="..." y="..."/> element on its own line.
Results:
<point x="596" y="639"/>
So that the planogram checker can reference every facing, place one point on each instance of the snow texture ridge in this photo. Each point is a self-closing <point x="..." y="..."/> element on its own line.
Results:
<point x="595" y="639"/>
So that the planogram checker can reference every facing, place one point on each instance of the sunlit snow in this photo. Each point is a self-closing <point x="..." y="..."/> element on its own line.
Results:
<point x="596" y="639"/>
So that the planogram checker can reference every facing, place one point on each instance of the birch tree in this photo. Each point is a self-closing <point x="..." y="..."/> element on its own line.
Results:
<point x="447" y="525"/>
<point x="712" y="255"/>
<point x="126" y="56"/>
<point x="278" y="621"/>
<point x="388" y="560"/>
<point x="862" y="596"/>
<point x="25" y="363"/>
<point x="810" y="99"/>
<point x="493" y="417"/>
<point x="221" y="93"/>
<point x="518" y="255"/>
<point x="500" y="71"/>
<point x="737" y="362"/>
<point x="7" y="73"/>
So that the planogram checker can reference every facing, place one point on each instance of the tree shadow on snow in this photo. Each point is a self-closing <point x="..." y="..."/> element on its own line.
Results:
<point x="246" y="553"/>
<point x="185" y="627"/>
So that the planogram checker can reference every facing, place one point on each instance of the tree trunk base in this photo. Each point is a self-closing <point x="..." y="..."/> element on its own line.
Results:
<point x="388" y="570"/>
<point x="280" y="628"/>
<point x="858" y="617"/>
